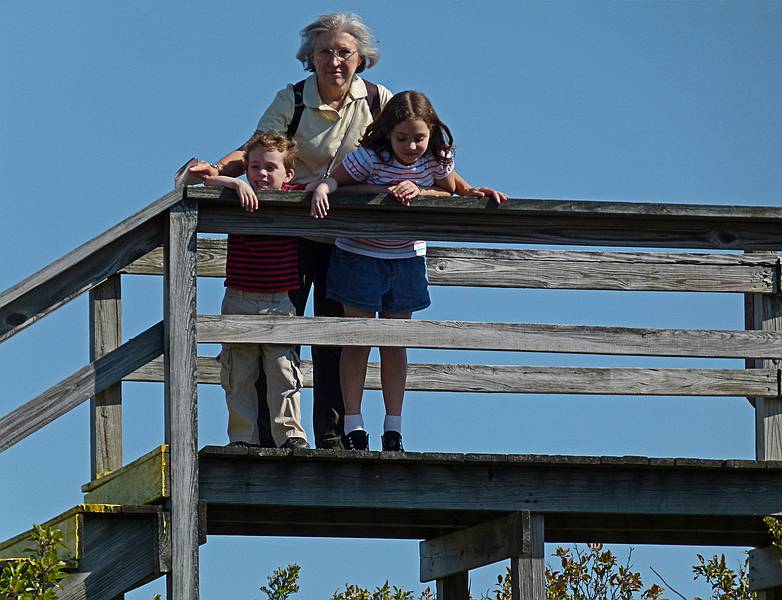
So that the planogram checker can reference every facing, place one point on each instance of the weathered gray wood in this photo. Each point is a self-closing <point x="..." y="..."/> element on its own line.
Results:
<point x="764" y="313"/>
<point x="120" y="554"/>
<point x="582" y="208"/>
<point x="516" y="221"/>
<point x="546" y="269"/>
<point x="454" y="587"/>
<point x="506" y="379"/>
<point x="211" y="260"/>
<point x="106" y="406"/>
<point x="515" y="337"/>
<point x="528" y="569"/>
<point x="79" y="387"/>
<point x="632" y="500"/>
<point x="181" y="406"/>
<point x="474" y="547"/>
<point x="765" y="569"/>
<point x="82" y="268"/>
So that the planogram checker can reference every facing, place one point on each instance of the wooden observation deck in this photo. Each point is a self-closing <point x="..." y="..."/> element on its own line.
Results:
<point x="146" y="518"/>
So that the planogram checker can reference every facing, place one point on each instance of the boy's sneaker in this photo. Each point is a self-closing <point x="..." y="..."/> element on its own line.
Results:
<point x="242" y="445"/>
<point x="356" y="440"/>
<point x="295" y="442"/>
<point x="392" y="441"/>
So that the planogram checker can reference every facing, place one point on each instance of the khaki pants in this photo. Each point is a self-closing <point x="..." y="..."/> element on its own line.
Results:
<point x="240" y="369"/>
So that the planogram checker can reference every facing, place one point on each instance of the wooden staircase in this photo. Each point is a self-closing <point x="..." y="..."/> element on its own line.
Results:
<point x="139" y="519"/>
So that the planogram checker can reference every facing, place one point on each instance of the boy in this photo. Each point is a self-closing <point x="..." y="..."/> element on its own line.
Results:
<point x="260" y="271"/>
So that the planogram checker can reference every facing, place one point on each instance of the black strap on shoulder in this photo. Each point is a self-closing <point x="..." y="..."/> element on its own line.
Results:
<point x="298" y="107"/>
<point x="372" y="98"/>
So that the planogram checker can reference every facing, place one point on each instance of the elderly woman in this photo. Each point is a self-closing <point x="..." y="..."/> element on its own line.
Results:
<point x="326" y="114"/>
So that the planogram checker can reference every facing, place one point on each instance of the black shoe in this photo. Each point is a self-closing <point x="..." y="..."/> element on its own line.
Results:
<point x="242" y="445"/>
<point x="392" y="441"/>
<point x="356" y="440"/>
<point x="331" y="443"/>
<point x="295" y="442"/>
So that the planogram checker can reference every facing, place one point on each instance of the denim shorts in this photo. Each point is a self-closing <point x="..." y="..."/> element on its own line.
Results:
<point x="378" y="284"/>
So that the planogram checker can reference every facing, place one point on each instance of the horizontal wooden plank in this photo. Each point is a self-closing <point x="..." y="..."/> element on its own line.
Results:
<point x="583" y="208"/>
<point x="83" y="268"/>
<point x="508" y="379"/>
<point x="473" y="547"/>
<point x="582" y="499"/>
<point x="516" y="221"/>
<point x="146" y="480"/>
<point x="514" y="337"/>
<point x="81" y="386"/>
<point x="765" y="568"/>
<point x="546" y="269"/>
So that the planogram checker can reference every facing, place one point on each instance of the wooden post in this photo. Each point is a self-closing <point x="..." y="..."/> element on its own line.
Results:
<point x="180" y="397"/>
<point x="764" y="312"/>
<point x="106" y="406"/>
<point x="453" y="587"/>
<point x="528" y="569"/>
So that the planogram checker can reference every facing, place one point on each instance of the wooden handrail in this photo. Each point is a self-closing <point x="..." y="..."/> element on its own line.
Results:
<point x="81" y="386"/>
<point x="83" y="268"/>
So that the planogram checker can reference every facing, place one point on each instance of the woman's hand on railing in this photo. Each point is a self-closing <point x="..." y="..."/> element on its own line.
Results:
<point x="203" y="170"/>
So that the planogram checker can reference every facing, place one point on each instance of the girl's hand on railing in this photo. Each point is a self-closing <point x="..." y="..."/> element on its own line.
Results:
<point x="405" y="192"/>
<point x="483" y="192"/>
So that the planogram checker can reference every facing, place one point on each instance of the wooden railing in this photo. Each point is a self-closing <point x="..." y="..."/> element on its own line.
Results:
<point x="161" y="240"/>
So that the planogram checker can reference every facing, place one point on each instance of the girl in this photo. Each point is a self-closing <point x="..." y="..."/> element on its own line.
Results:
<point x="406" y="148"/>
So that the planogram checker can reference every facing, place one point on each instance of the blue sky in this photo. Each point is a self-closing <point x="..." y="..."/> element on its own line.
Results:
<point x="640" y="101"/>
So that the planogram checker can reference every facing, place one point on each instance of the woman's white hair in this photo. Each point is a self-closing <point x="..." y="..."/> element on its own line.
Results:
<point x="339" y="21"/>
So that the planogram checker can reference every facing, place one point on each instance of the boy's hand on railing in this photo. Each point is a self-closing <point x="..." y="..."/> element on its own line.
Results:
<point x="319" y="207"/>
<point x="247" y="197"/>
<point x="405" y="192"/>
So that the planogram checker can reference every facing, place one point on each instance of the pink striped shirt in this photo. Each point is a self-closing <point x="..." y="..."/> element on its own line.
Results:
<point x="364" y="165"/>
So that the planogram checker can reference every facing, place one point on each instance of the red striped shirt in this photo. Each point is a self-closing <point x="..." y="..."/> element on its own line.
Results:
<point x="262" y="263"/>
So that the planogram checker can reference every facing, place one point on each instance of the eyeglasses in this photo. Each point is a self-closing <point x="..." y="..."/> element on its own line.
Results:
<point x="341" y="54"/>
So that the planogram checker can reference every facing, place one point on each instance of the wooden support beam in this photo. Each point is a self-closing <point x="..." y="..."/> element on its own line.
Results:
<point x="764" y="313"/>
<point x="617" y="499"/>
<point x="106" y="406"/>
<point x="553" y="269"/>
<point x="513" y="337"/>
<point x="475" y="546"/>
<point x="528" y="568"/>
<point x="181" y="406"/>
<point x="765" y="570"/>
<point x="454" y="587"/>
<point x="507" y="379"/>
<point x="81" y="386"/>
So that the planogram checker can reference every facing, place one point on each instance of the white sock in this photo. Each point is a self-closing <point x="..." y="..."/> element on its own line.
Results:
<point x="354" y="422"/>
<point x="393" y="423"/>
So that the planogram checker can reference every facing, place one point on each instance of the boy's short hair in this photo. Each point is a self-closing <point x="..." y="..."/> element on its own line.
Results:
<point x="272" y="140"/>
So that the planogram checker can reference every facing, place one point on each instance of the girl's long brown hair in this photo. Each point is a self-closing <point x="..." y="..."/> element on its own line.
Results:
<point x="408" y="106"/>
